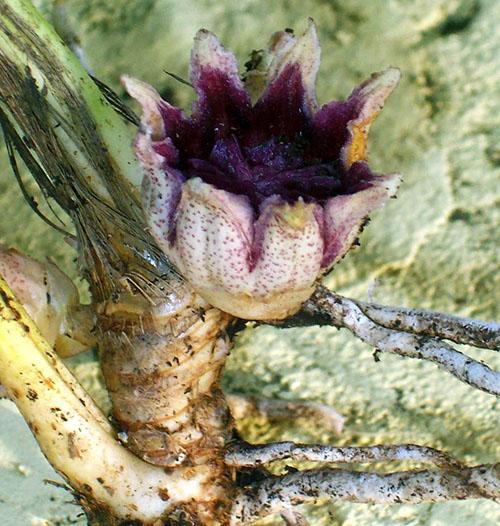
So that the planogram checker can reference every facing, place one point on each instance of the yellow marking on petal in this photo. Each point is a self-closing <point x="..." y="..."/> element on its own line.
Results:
<point x="296" y="215"/>
<point x="372" y="95"/>
<point x="357" y="149"/>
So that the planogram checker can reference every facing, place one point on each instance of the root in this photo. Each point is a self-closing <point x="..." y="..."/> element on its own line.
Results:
<point x="277" y="494"/>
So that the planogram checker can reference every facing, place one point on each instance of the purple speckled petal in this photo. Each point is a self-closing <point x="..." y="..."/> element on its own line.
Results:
<point x="212" y="246"/>
<point x="286" y="235"/>
<point x="150" y="100"/>
<point x="160" y="121"/>
<point x="345" y="215"/>
<point x="286" y="106"/>
<point x="161" y="191"/>
<point x="162" y="184"/>
<point x="223" y="104"/>
<point x="238" y="264"/>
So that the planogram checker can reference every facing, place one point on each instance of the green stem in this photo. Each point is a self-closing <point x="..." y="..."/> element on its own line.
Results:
<point x="28" y="42"/>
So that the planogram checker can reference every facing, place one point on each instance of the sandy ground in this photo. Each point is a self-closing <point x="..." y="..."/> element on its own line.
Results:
<point x="434" y="247"/>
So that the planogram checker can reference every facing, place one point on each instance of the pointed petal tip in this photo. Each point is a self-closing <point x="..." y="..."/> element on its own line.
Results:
<point x="150" y="100"/>
<point x="209" y="57"/>
<point x="138" y="89"/>
<point x="382" y="82"/>
<point x="345" y="216"/>
<point x="308" y="48"/>
<point x="394" y="71"/>
<point x="392" y="183"/>
<point x="369" y="99"/>
<point x="205" y="37"/>
<point x="303" y="53"/>
<point x="309" y="39"/>
<point x="312" y="30"/>
<point x="208" y="51"/>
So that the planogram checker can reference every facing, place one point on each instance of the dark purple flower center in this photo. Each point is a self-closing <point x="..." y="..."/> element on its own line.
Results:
<point x="276" y="147"/>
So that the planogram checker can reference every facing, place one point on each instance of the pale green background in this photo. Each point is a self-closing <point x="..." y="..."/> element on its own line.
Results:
<point x="434" y="247"/>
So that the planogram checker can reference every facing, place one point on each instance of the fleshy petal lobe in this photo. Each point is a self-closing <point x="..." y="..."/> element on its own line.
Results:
<point x="223" y="104"/>
<point x="238" y="264"/>
<point x="287" y="104"/>
<point x="345" y="216"/>
<point x="305" y="53"/>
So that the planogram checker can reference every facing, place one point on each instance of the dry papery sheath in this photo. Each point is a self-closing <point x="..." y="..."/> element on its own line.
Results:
<point x="253" y="201"/>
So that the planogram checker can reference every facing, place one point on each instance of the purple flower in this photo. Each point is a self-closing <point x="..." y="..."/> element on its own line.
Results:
<point x="253" y="202"/>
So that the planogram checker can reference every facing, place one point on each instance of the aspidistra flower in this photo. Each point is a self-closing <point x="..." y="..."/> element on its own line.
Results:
<point x="253" y="202"/>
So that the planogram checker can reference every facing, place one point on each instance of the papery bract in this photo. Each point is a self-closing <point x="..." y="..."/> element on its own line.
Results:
<point x="252" y="202"/>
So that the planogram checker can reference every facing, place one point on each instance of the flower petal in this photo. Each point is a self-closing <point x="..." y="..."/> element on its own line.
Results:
<point x="161" y="191"/>
<point x="213" y="238"/>
<point x="255" y="271"/>
<point x="287" y="251"/>
<point x="162" y="184"/>
<point x="160" y="121"/>
<point x="329" y="130"/>
<point x="286" y="106"/>
<point x="305" y="52"/>
<point x="340" y="128"/>
<point x="223" y="103"/>
<point x="159" y="118"/>
<point x="345" y="216"/>
<point x="368" y="99"/>
<point x="256" y="76"/>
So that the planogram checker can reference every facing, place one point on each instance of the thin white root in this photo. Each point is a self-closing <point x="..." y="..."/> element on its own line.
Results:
<point x="276" y="494"/>
<point x="344" y="312"/>
<point x="72" y="433"/>
<point x="255" y="455"/>
<point x="436" y="324"/>
<point x="243" y="406"/>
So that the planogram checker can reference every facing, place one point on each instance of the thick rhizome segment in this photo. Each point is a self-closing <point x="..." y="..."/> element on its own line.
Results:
<point x="162" y="369"/>
<point x="162" y="360"/>
<point x="162" y="365"/>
